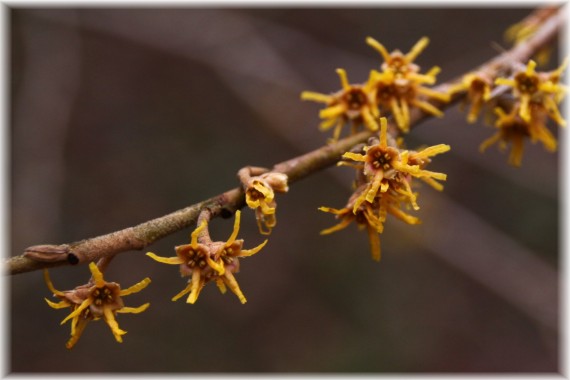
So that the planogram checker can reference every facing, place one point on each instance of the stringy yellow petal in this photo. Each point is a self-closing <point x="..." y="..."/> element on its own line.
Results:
<point x="49" y="284"/>
<point x="135" y="288"/>
<point x="110" y="320"/>
<point x="59" y="305"/>
<point x="97" y="275"/>
<point x="316" y="97"/>
<point x="234" y="287"/>
<point x="133" y="310"/>
<point x="165" y="260"/>
<point x="253" y="251"/>
<point x="85" y="304"/>
<point x="235" y="231"/>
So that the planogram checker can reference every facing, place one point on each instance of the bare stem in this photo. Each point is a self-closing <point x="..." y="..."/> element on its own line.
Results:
<point x="225" y="204"/>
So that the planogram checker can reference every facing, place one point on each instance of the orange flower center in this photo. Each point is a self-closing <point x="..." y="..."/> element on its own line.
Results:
<point x="526" y="84"/>
<point x="355" y="99"/>
<point x="102" y="295"/>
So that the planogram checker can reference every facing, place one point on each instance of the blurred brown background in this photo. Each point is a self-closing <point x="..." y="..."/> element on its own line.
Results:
<point x="122" y="115"/>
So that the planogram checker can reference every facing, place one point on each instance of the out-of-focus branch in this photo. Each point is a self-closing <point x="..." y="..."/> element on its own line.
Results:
<point x="142" y="235"/>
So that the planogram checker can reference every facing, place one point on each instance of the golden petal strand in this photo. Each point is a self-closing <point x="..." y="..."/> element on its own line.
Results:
<point x="97" y="275"/>
<point x="165" y="260"/>
<point x="196" y="287"/>
<point x="58" y="305"/>
<point x="374" y="239"/>
<point x="77" y="330"/>
<point x="379" y="48"/>
<point x="133" y="310"/>
<point x="253" y="251"/>
<point x="49" y="284"/>
<point x="316" y="97"/>
<point x="235" y="230"/>
<point x="135" y="288"/>
<point x="110" y="320"/>
<point x="417" y="49"/>
<point x="85" y="304"/>
<point x="187" y="289"/>
<point x="231" y="282"/>
<point x="194" y="235"/>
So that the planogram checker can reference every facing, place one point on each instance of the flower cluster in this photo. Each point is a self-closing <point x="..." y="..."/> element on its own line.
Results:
<point x="204" y="260"/>
<point x="531" y="99"/>
<point x="95" y="300"/>
<point x="384" y="186"/>
<point x="538" y="93"/>
<point x="514" y="129"/>
<point x="354" y="103"/>
<point x="259" y="187"/>
<point x="398" y="87"/>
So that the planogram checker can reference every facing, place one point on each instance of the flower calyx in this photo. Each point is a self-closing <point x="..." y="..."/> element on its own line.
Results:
<point x="204" y="260"/>
<point x="95" y="300"/>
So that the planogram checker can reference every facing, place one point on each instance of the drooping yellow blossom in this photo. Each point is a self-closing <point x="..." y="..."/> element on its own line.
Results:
<point x="387" y="167"/>
<point x="399" y="86"/>
<point x="353" y="103"/>
<point x="370" y="216"/>
<point x="478" y="87"/>
<point x="514" y="129"/>
<point x="538" y="93"/>
<point x="205" y="261"/>
<point x="260" y="196"/>
<point x="98" y="299"/>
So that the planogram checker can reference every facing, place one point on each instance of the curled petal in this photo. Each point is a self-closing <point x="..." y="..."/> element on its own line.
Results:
<point x="354" y="156"/>
<point x="196" y="287"/>
<point x="379" y="48"/>
<point x="316" y="97"/>
<point x="50" y="284"/>
<point x="235" y="231"/>
<point x="85" y="304"/>
<point x="417" y="49"/>
<point x="59" y="305"/>
<point x="221" y="285"/>
<point x="343" y="79"/>
<point x="215" y="266"/>
<point x="194" y="235"/>
<point x="110" y="320"/>
<point x="231" y="282"/>
<point x="332" y="112"/>
<point x="187" y="289"/>
<point x="133" y="310"/>
<point x="77" y="327"/>
<point x="135" y="288"/>
<point x="165" y="260"/>
<point x="97" y="275"/>
<point x="374" y="239"/>
<point x="253" y="251"/>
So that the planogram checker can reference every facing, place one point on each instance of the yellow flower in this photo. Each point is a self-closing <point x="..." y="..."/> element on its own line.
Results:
<point x="387" y="167"/>
<point x="95" y="300"/>
<point x="260" y="196"/>
<point x="354" y="103"/>
<point x="538" y="93"/>
<point x="205" y="261"/>
<point x="400" y="85"/>
<point x="478" y="87"/>
<point x="514" y="129"/>
<point x="370" y="216"/>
